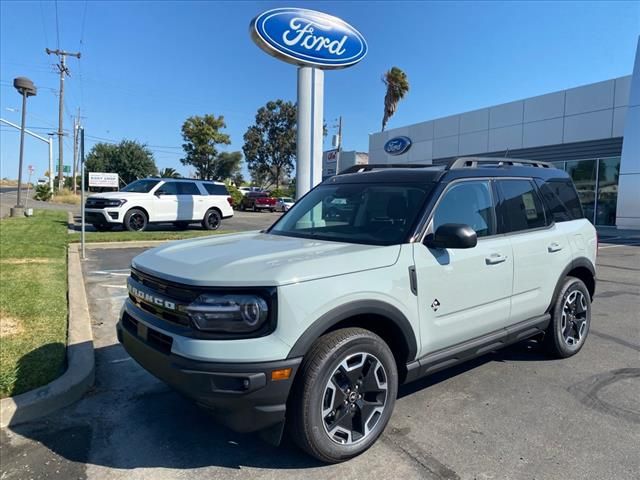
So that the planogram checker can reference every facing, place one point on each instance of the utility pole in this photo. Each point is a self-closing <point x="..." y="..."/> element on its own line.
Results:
<point x="339" y="133"/>
<point x="62" y="67"/>
<point x="76" y="125"/>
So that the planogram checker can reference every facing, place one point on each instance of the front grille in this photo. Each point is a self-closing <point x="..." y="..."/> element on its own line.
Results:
<point x="181" y="296"/>
<point x="96" y="203"/>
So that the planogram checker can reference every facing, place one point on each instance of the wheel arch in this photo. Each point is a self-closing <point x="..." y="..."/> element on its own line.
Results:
<point x="581" y="268"/>
<point x="379" y="317"/>
<point x="216" y="208"/>
<point x="137" y="207"/>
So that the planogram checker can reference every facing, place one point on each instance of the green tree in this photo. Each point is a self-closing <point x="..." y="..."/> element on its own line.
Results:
<point x="169" y="173"/>
<point x="270" y="144"/>
<point x="201" y="136"/>
<point x="397" y="87"/>
<point x="129" y="159"/>
<point x="227" y="166"/>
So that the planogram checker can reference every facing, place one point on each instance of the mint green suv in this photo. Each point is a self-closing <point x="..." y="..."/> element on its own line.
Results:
<point x="377" y="277"/>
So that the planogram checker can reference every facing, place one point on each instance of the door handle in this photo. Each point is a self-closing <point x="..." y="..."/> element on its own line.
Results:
<point x="495" y="258"/>
<point x="554" y="247"/>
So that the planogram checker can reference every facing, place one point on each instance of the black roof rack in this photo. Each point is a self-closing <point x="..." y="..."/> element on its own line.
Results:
<point x="379" y="166"/>
<point x="475" y="162"/>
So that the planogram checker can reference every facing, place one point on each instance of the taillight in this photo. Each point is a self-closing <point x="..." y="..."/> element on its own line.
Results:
<point x="230" y="200"/>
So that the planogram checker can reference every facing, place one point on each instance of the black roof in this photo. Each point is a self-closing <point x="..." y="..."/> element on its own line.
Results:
<point x="181" y="179"/>
<point x="462" y="167"/>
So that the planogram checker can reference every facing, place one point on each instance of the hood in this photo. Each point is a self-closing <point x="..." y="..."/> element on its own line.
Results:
<point x="118" y="195"/>
<point x="259" y="259"/>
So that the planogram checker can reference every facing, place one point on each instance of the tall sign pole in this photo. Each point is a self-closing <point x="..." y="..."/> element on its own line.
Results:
<point x="314" y="41"/>
<point x="82" y="191"/>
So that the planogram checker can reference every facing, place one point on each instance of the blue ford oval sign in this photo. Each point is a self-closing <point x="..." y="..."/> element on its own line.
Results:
<point x="397" y="145"/>
<point x="307" y="37"/>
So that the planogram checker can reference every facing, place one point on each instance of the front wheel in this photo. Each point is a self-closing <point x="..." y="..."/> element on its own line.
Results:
<point x="570" y="319"/>
<point x="212" y="219"/>
<point x="135" y="220"/>
<point x="344" y="395"/>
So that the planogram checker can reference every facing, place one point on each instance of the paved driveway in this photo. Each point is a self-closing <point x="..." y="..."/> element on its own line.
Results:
<point x="510" y="415"/>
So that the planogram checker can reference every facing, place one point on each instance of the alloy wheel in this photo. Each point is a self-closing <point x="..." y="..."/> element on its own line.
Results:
<point x="354" y="398"/>
<point x="573" y="323"/>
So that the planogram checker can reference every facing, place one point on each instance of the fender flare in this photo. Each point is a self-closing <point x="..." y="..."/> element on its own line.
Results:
<point x="351" y="309"/>
<point x="575" y="263"/>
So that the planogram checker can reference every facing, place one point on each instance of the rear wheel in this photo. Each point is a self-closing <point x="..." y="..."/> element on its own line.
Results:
<point x="344" y="395"/>
<point x="570" y="319"/>
<point x="212" y="219"/>
<point x="135" y="220"/>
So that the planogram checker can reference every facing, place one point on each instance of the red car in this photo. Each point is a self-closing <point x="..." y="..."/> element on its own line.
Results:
<point x="258" y="201"/>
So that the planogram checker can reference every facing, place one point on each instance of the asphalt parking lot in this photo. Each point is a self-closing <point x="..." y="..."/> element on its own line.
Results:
<point x="514" y="414"/>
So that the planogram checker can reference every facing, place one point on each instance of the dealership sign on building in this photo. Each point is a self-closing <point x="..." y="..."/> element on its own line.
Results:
<point x="397" y="145"/>
<point x="98" y="179"/>
<point x="314" y="41"/>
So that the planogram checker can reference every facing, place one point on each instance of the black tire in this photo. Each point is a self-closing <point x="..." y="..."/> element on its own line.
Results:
<point x="255" y="209"/>
<point x="212" y="219"/>
<point x="570" y="318"/>
<point x="102" y="227"/>
<point x="136" y="220"/>
<point x="181" y="225"/>
<point x="312" y="402"/>
<point x="272" y="210"/>
<point x="242" y="207"/>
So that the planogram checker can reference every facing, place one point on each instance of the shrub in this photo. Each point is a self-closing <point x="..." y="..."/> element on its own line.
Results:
<point x="235" y="195"/>
<point x="43" y="193"/>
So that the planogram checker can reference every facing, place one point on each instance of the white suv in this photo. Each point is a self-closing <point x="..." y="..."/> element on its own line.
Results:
<point x="160" y="200"/>
<point x="374" y="278"/>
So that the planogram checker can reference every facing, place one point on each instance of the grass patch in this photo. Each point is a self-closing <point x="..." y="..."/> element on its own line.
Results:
<point x="91" y="237"/>
<point x="66" y="196"/>
<point x="33" y="300"/>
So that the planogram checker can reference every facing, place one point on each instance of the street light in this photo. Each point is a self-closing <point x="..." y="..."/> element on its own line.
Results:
<point x="26" y="88"/>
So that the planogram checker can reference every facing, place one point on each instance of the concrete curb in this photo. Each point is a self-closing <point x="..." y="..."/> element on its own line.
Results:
<point x="78" y="377"/>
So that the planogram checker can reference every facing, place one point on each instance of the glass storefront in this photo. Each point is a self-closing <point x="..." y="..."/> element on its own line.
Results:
<point x="597" y="183"/>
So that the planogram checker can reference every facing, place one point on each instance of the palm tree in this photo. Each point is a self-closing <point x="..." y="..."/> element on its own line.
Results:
<point x="397" y="87"/>
<point x="169" y="173"/>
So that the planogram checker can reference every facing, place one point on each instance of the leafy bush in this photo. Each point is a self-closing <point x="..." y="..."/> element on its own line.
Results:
<point x="283" y="192"/>
<point x="43" y="193"/>
<point x="235" y="195"/>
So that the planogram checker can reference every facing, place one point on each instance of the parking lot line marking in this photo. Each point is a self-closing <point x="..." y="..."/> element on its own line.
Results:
<point x="113" y="286"/>
<point x="623" y="245"/>
<point x="120" y="360"/>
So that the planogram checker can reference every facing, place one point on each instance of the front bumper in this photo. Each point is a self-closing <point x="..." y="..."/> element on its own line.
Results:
<point x="241" y="396"/>
<point x="101" y="216"/>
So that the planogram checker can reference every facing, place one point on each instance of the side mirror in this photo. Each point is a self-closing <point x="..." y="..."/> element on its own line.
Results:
<point x="452" y="235"/>
<point x="158" y="193"/>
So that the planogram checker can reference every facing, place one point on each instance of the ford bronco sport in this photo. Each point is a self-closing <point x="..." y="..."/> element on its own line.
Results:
<point x="319" y="318"/>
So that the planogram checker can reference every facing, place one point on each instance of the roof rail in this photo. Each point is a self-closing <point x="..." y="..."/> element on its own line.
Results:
<point x="379" y="166"/>
<point x="475" y="162"/>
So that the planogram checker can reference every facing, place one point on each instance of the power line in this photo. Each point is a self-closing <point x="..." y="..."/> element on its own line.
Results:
<point x="44" y="26"/>
<point x="84" y="19"/>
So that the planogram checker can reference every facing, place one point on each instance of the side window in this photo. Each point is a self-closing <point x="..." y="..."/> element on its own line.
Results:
<point x="469" y="203"/>
<point x="520" y="206"/>
<point x="187" y="188"/>
<point x="215" y="189"/>
<point x="566" y="195"/>
<point x="168" y="188"/>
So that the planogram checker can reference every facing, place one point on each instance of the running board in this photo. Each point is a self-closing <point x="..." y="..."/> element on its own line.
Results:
<point x="450" y="356"/>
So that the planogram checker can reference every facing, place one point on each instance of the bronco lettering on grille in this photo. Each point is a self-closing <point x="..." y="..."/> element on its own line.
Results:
<point x="152" y="299"/>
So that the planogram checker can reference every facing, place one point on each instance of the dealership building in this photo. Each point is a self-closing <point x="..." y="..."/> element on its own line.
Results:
<point x="591" y="131"/>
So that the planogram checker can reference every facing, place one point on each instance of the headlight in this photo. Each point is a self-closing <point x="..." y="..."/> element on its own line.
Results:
<point x="115" y="202"/>
<point x="228" y="313"/>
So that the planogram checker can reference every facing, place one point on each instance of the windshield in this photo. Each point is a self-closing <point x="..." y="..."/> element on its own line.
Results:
<point x="140" y="186"/>
<point x="375" y="214"/>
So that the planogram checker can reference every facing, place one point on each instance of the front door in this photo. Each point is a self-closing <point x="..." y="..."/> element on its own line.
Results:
<point x="165" y="203"/>
<point x="464" y="293"/>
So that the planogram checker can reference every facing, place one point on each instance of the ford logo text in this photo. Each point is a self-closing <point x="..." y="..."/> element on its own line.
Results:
<point x="397" y="145"/>
<point x="307" y="37"/>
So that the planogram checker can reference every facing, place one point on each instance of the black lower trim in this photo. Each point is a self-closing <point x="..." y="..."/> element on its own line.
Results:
<point x="241" y="396"/>
<point x="450" y="356"/>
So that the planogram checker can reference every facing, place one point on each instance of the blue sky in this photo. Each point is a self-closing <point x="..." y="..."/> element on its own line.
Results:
<point x="147" y="66"/>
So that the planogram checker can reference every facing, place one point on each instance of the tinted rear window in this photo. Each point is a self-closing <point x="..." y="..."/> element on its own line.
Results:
<point x="187" y="188"/>
<point x="561" y="199"/>
<point x="520" y="207"/>
<point x="215" y="189"/>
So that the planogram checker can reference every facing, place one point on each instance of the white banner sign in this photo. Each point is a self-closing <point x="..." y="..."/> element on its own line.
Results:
<point x="97" y="179"/>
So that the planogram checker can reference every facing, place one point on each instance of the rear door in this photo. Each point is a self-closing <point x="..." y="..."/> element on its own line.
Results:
<point x="165" y="203"/>
<point x="464" y="293"/>
<point x="540" y="247"/>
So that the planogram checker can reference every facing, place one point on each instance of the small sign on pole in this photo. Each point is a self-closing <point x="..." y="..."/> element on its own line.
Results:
<point x="99" y="179"/>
